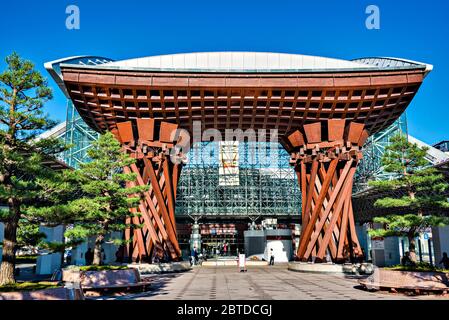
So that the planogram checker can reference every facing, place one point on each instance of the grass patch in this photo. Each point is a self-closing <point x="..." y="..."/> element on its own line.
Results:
<point x="102" y="268"/>
<point x="29" y="286"/>
<point x="419" y="267"/>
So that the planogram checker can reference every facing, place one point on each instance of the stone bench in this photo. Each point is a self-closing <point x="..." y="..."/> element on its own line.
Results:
<point x="45" y="294"/>
<point x="407" y="280"/>
<point x="106" y="280"/>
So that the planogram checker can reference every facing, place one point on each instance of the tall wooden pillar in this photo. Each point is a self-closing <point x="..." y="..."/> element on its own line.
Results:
<point x="325" y="156"/>
<point x="151" y="227"/>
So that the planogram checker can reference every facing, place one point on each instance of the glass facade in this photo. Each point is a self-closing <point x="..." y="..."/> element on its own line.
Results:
<point x="443" y="146"/>
<point x="370" y="167"/>
<point x="259" y="182"/>
<point x="79" y="136"/>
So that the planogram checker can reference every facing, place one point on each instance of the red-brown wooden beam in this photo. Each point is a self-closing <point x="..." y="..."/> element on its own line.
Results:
<point x="325" y="171"/>
<point x="152" y="226"/>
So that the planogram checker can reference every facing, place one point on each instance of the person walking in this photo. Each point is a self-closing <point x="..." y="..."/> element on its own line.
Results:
<point x="192" y="256"/>
<point x="271" y="257"/>
<point x="445" y="261"/>
<point x="204" y="254"/>
<point x="242" y="261"/>
<point x="195" y="255"/>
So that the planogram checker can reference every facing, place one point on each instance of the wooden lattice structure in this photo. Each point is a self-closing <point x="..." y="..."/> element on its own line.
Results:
<point x="158" y="165"/>
<point x="325" y="156"/>
<point x="281" y="101"/>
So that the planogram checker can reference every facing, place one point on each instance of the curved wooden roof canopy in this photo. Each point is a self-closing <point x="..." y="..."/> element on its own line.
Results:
<point x="283" y="99"/>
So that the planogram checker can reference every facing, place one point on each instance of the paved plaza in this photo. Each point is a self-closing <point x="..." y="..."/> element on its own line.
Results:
<point x="227" y="283"/>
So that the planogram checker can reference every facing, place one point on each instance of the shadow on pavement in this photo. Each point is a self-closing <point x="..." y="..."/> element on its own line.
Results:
<point x="157" y="288"/>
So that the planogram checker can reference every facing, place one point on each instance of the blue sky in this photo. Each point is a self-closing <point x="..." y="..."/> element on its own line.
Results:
<point x="417" y="30"/>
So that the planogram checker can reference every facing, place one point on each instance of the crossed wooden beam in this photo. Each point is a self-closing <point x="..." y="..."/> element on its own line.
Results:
<point x="151" y="227"/>
<point x="325" y="155"/>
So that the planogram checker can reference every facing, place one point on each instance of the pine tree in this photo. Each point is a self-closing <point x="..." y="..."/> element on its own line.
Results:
<point x="105" y="200"/>
<point x="418" y="187"/>
<point x="23" y="93"/>
<point x="28" y="235"/>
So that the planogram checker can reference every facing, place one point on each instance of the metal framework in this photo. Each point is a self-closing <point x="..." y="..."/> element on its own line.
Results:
<point x="265" y="188"/>
<point x="79" y="136"/>
<point x="370" y="167"/>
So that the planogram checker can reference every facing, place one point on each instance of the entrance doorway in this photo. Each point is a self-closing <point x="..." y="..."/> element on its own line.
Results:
<point x="221" y="239"/>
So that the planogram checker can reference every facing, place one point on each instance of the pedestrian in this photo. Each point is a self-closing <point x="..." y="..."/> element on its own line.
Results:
<point x="193" y="256"/>
<point x="89" y="257"/>
<point x="358" y="257"/>
<point x="195" y="250"/>
<point x="271" y="257"/>
<point x="204" y="254"/>
<point x="445" y="261"/>
<point x="242" y="262"/>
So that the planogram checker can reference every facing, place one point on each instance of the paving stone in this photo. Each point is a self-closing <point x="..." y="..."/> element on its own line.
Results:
<point x="262" y="282"/>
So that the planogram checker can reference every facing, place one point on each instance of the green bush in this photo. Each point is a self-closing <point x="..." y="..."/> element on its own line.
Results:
<point x="29" y="286"/>
<point x="102" y="268"/>
<point x="420" y="266"/>
<point x="26" y="259"/>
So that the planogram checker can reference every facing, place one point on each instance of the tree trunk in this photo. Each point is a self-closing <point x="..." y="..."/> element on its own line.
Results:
<point x="412" y="247"/>
<point x="98" y="259"/>
<point x="8" y="255"/>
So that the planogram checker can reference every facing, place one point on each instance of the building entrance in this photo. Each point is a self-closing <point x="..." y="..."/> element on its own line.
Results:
<point x="221" y="239"/>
